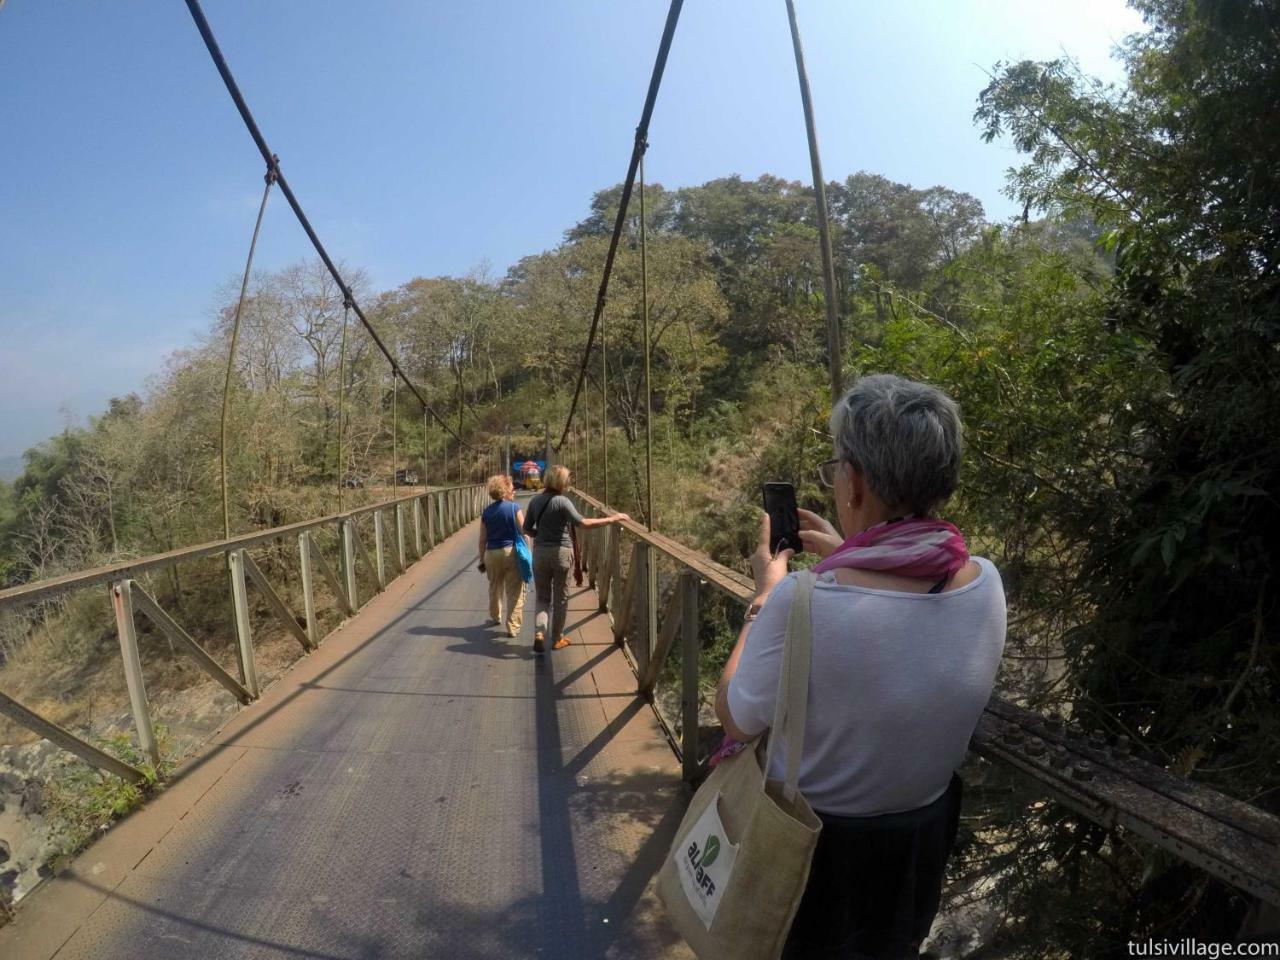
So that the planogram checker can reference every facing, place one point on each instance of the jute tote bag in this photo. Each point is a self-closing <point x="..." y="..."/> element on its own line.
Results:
<point x="735" y="874"/>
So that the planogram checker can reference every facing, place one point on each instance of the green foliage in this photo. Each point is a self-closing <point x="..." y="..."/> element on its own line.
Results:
<point x="1179" y="169"/>
<point x="81" y="801"/>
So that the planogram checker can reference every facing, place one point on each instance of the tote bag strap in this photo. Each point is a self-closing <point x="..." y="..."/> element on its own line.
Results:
<point x="792" y="706"/>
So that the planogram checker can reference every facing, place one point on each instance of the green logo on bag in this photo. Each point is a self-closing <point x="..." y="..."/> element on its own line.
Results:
<point x="711" y="852"/>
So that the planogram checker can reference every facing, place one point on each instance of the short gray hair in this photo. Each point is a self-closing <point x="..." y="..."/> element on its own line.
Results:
<point x="904" y="437"/>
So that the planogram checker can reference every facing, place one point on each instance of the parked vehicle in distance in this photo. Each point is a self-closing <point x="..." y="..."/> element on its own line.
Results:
<point x="527" y="474"/>
<point x="351" y="480"/>
<point x="407" y="478"/>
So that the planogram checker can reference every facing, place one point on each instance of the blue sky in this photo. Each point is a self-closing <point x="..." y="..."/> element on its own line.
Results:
<point x="425" y="138"/>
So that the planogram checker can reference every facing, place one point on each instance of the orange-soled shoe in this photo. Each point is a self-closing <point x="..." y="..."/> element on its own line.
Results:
<point x="539" y="641"/>
<point x="561" y="643"/>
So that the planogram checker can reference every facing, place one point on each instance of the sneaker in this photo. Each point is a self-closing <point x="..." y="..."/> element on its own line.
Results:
<point x="512" y="632"/>
<point x="538" y="641"/>
<point x="561" y="643"/>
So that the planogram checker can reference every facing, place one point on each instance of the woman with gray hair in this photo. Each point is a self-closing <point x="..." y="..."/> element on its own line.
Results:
<point x="908" y="631"/>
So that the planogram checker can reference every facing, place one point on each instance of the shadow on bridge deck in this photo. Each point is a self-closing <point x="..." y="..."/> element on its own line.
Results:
<point x="420" y="787"/>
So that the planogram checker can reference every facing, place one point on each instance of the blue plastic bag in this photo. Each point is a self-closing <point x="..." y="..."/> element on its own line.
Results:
<point x="524" y="560"/>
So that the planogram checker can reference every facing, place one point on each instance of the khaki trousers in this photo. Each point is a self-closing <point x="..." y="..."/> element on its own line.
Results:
<point x="551" y="566"/>
<point x="505" y="584"/>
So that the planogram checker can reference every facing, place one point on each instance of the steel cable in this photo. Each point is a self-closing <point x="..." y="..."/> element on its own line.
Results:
<point x="637" y="149"/>
<point x="834" y="346"/>
<point x="342" y="384"/>
<point x="197" y="14"/>
<point x="235" y="340"/>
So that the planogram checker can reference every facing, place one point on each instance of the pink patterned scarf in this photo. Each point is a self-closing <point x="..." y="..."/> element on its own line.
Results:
<point x="910" y="547"/>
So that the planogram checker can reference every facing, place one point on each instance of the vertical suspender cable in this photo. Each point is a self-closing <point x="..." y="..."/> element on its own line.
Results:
<point x="648" y="372"/>
<point x="642" y="136"/>
<point x="395" y="472"/>
<point x="604" y="405"/>
<point x="824" y="229"/>
<point x="342" y="388"/>
<point x="231" y="353"/>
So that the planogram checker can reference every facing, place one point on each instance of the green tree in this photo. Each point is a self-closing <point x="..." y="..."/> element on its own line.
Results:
<point x="1180" y="167"/>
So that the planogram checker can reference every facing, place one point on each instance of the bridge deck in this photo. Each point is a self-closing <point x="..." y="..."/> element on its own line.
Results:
<point x="420" y="787"/>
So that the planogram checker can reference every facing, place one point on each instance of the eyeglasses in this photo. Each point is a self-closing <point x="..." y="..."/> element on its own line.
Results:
<point x="827" y="472"/>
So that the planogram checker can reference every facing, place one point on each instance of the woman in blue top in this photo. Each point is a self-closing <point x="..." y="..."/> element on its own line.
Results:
<point x="500" y="524"/>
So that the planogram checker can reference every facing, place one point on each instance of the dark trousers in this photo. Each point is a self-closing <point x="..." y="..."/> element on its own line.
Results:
<point x="876" y="883"/>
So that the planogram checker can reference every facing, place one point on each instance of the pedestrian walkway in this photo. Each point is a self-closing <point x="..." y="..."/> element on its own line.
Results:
<point x="422" y="786"/>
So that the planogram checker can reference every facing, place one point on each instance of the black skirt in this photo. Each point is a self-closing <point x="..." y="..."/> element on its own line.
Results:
<point x="876" y="883"/>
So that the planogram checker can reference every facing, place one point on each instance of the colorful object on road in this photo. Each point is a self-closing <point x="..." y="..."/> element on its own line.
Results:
<point x="529" y="474"/>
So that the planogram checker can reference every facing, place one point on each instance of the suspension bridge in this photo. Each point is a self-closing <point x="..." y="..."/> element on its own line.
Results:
<point x="419" y="784"/>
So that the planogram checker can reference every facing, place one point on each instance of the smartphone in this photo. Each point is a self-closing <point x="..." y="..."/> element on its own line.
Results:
<point x="784" y="521"/>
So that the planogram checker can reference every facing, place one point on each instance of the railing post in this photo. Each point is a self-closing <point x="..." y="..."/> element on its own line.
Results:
<point x="598" y="540"/>
<point x="379" y="564"/>
<point x="308" y="588"/>
<point x="417" y="527"/>
<point x="669" y="629"/>
<point x="650" y="626"/>
<point x="433" y="520"/>
<point x="615" y="561"/>
<point x="122" y="600"/>
<point x="642" y="608"/>
<point x="349" y="563"/>
<point x="603" y="582"/>
<point x="240" y="603"/>
<point x="400" y="555"/>
<point x="690" y="649"/>
<point x="623" y="625"/>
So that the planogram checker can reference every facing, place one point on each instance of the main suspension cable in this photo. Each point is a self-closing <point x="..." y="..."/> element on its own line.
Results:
<point x="637" y="149"/>
<point x="197" y="14"/>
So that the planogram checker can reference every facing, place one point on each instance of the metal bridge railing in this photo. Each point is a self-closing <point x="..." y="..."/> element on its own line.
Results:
<point x="403" y="528"/>
<point x="1098" y="778"/>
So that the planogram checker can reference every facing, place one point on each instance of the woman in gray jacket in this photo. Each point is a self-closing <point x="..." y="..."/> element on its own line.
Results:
<point x="549" y="520"/>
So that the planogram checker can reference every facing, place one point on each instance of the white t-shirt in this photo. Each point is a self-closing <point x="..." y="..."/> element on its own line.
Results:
<point x="896" y="686"/>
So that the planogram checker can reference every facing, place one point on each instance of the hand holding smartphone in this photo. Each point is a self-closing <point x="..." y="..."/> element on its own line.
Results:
<point x="784" y="520"/>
